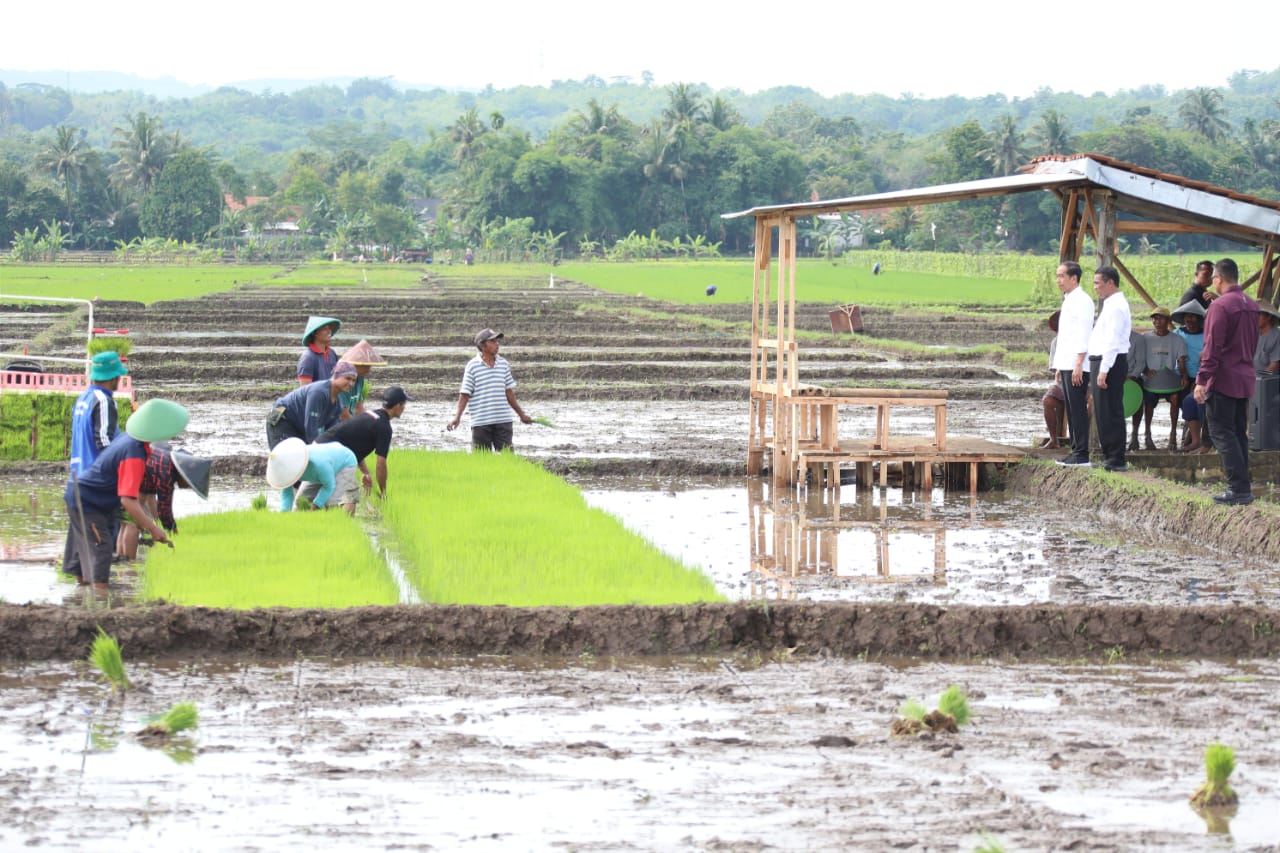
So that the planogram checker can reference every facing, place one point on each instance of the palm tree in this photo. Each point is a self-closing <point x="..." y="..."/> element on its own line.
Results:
<point x="1201" y="112"/>
<point x="143" y="151"/>
<point x="1004" y="148"/>
<point x="465" y="133"/>
<point x="721" y="115"/>
<point x="1053" y="135"/>
<point x="68" y="159"/>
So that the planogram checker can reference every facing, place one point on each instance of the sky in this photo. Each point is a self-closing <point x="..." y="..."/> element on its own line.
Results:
<point x="927" y="48"/>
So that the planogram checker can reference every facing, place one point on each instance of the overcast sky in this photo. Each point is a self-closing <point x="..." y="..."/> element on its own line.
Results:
<point x="928" y="48"/>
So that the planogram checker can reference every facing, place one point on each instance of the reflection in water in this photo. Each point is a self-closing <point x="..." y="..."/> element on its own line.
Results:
<point x="852" y="535"/>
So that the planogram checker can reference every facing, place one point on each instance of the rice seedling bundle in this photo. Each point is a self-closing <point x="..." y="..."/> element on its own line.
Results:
<point x="119" y="345"/>
<point x="486" y="528"/>
<point x="53" y="425"/>
<point x="1219" y="764"/>
<point x="105" y="656"/>
<point x="249" y="558"/>
<point x="179" y="718"/>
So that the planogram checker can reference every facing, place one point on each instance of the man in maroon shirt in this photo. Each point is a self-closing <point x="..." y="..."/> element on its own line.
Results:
<point x="1226" y="379"/>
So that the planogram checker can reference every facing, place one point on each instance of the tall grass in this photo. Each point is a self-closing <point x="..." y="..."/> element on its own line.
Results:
<point x="249" y="559"/>
<point x="485" y="528"/>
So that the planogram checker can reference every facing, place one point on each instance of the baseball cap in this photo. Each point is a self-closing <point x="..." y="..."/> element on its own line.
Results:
<point x="487" y="335"/>
<point x="394" y="396"/>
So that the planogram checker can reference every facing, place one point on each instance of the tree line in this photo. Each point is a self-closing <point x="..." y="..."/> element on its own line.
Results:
<point x="596" y="180"/>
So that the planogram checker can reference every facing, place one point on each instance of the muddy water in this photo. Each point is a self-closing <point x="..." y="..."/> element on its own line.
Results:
<point x="860" y="545"/>
<point x="589" y="754"/>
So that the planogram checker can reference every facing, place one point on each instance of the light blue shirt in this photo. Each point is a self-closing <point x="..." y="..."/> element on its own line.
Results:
<point x="324" y="461"/>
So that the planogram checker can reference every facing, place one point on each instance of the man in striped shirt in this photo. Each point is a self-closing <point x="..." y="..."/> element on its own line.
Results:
<point x="488" y="394"/>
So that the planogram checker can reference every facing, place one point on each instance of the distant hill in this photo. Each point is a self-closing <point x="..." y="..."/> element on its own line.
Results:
<point x="95" y="82"/>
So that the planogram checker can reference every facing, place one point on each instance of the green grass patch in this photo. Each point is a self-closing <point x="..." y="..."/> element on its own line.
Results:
<point x="821" y="281"/>
<point x="268" y="559"/>
<point x="133" y="283"/>
<point x="345" y="274"/>
<point x="482" y="528"/>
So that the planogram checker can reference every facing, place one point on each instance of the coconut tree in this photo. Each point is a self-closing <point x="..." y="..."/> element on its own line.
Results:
<point x="1202" y="112"/>
<point x="143" y="149"/>
<point x="465" y="132"/>
<point x="1004" y="146"/>
<point x="67" y="157"/>
<point x="1053" y="134"/>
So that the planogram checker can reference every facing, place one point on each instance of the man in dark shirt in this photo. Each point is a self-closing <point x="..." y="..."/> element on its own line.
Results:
<point x="1199" y="289"/>
<point x="370" y="432"/>
<point x="1226" y="379"/>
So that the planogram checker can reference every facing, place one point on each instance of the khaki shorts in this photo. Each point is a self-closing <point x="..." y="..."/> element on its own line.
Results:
<point x="346" y="489"/>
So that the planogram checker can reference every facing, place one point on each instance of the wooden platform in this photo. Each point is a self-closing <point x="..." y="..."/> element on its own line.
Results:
<point x="918" y="455"/>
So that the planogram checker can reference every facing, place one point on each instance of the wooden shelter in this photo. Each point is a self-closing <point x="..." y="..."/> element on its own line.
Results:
<point x="1102" y="198"/>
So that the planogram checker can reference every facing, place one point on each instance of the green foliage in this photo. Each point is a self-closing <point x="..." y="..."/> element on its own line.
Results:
<point x="1219" y="764"/>
<point x="185" y="202"/>
<point x="120" y="345"/>
<point x="503" y="531"/>
<point x="954" y="703"/>
<point x="247" y="559"/>
<point x="913" y="709"/>
<point x="106" y="658"/>
<point x="259" y="501"/>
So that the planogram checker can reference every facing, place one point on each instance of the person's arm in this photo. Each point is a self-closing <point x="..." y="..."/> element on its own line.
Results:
<point x="457" y="417"/>
<point x="133" y="506"/>
<point x="382" y="476"/>
<point x="328" y="482"/>
<point x="515" y="407"/>
<point x="366" y="481"/>
<point x="103" y="423"/>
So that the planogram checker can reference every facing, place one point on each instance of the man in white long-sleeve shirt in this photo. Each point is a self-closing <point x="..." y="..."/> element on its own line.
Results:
<point x="1075" y="322"/>
<point x="1109" y="365"/>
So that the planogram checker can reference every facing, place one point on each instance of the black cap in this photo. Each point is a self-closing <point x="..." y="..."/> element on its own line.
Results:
<point x="394" y="396"/>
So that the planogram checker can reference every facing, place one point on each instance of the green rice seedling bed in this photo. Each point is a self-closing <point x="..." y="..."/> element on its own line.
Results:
<point x="345" y="274"/>
<point x="38" y="426"/>
<point x="484" y="528"/>
<point x="686" y="282"/>
<point x="249" y="558"/>
<point x="131" y="283"/>
<point x="17" y="426"/>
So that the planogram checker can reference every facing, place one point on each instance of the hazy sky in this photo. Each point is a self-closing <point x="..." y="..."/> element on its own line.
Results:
<point x="929" y="48"/>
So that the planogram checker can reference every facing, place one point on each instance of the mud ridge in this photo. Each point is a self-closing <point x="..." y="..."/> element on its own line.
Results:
<point x="44" y="632"/>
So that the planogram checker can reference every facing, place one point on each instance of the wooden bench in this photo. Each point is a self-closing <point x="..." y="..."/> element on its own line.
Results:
<point x="828" y="401"/>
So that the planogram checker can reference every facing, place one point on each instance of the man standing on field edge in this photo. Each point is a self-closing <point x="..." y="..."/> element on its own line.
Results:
<point x="1109" y="366"/>
<point x="1226" y="379"/>
<point x="1075" y="322"/>
<point x="488" y="393"/>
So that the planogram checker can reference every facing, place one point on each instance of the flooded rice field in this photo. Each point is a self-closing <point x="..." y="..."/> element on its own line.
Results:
<point x="724" y="753"/>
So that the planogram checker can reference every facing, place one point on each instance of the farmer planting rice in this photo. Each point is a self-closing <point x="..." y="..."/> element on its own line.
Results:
<point x="114" y="481"/>
<point x="370" y="432"/>
<point x="93" y="420"/>
<point x="318" y="359"/>
<point x="488" y="393"/>
<point x="363" y="357"/>
<point x="166" y="470"/>
<point x="327" y="469"/>
<point x="310" y="410"/>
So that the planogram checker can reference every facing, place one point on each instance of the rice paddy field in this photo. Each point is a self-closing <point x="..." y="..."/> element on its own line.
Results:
<point x="1101" y="648"/>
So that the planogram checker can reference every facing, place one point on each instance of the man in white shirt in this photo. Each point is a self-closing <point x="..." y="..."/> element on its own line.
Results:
<point x="1075" y="322"/>
<point x="1108" y="366"/>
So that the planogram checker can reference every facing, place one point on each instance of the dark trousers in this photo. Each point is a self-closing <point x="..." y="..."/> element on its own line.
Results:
<point x="492" y="436"/>
<point x="98" y="549"/>
<point x="279" y="428"/>
<point x="1077" y="400"/>
<point x="1108" y="408"/>
<point x="1229" y="426"/>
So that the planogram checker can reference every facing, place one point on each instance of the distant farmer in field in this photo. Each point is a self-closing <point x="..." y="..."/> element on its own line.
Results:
<point x="94" y="416"/>
<point x="370" y="432"/>
<point x="1108" y="366"/>
<point x="1075" y="322"/>
<point x="488" y="393"/>
<point x="1227" y="379"/>
<point x="1164" y="370"/>
<point x="363" y="357"/>
<point x="1190" y="316"/>
<point x="165" y="471"/>
<point x="318" y="359"/>
<point x="327" y="469"/>
<point x="1199" y="290"/>
<point x="310" y="410"/>
<point x="113" y="482"/>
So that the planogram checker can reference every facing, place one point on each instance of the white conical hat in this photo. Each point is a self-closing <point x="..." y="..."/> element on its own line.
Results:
<point x="286" y="463"/>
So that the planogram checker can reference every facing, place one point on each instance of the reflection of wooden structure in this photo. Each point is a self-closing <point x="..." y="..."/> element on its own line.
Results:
<point x="792" y="542"/>
<point x="793" y="427"/>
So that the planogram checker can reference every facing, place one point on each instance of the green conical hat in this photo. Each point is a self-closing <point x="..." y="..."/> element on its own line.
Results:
<point x="363" y="354"/>
<point x="157" y="420"/>
<point x="314" y="323"/>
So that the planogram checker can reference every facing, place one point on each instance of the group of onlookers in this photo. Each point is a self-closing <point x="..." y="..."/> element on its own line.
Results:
<point x="1205" y="368"/>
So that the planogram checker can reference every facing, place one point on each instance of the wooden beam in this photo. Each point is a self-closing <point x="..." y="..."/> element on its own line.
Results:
<point x="1128" y="276"/>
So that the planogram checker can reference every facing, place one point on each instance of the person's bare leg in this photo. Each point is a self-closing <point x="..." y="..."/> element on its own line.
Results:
<point x="1052" y="421"/>
<point x="1148" y="409"/>
<point x="1174" y="402"/>
<point x="1193" y="437"/>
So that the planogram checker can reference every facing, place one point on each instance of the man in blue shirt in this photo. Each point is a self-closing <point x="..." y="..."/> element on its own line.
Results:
<point x="94" y="417"/>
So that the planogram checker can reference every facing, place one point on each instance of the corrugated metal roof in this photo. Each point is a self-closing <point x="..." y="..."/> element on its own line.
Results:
<point x="1141" y="192"/>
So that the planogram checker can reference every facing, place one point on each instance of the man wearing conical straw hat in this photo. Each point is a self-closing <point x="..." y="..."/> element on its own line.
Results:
<point x="114" y="481"/>
<point x="362" y="357"/>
